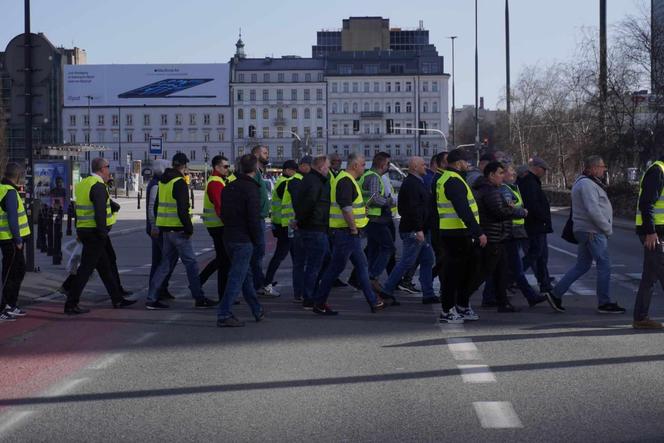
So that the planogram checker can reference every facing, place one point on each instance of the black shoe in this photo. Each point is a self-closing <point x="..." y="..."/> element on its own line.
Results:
<point x="156" y="305"/>
<point x="230" y="322"/>
<point x="76" y="310"/>
<point x="308" y="305"/>
<point x="389" y="300"/>
<point x="536" y="300"/>
<point x="324" y="310"/>
<point x="610" y="308"/>
<point x="355" y="284"/>
<point x="489" y="304"/>
<point x="126" y="293"/>
<point x="555" y="302"/>
<point x="431" y="300"/>
<point x="407" y="286"/>
<point x="379" y="306"/>
<point x="260" y="316"/>
<point x="507" y="307"/>
<point x="166" y="295"/>
<point x="339" y="284"/>
<point x="123" y="303"/>
<point x="205" y="303"/>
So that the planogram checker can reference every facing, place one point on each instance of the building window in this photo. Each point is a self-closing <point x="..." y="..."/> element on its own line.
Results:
<point x="252" y="114"/>
<point x="409" y="107"/>
<point x="164" y="119"/>
<point x="425" y="86"/>
<point x="280" y="113"/>
<point x="101" y="154"/>
<point x="240" y="95"/>
<point x="146" y="119"/>
<point x="388" y="108"/>
<point x="130" y="137"/>
<point x="320" y="76"/>
<point x="334" y="87"/>
<point x="280" y="94"/>
<point x="240" y="114"/>
<point x="254" y="78"/>
<point x="280" y="77"/>
<point x="388" y="86"/>
<point x="434" y="106"/>
<point x="356" y="87"/>
<point x="266" y="132"/>
<point x="397" y="128"/>
<point x="355" y="108"/>
<point x="346" y="129"/>
<point x="221" y="136"/>
<point x="178" y="119"/>
<point x="293" y="131"/>
<point x="266" y="95"/>
<point x="434" y="86"/>
<point x="307" y="131"/>
<point x="280" y="132"/>
<point x="334" y="108"/>
<point x="294" y="114"/>
<point x="206" y="137"/>
<point x="397" y="86"/>
<point x="346" y="87"/>
<point x="319" y="132"/>
<point x="367" y="151"/>
<point x="367" y="129"/>
<point x="280" y="152"/>
<point x="86" y="120"/>
<point x="192" y="119"/>
<point x="146" y="136"/>
<point x="252" y="131"/>
<point x="220" y="119"/>
<point x="266" y="114"/>
<point x="252" y="95"/>
<point x="307" y="95"/>
<point x="409" y="150"/>
<point x="116" y="155"/>
<point x="319" y="94"/>
<point x="397" y="150"/>
<point x="72" y="137"/>
<point x="409" y="86"/>
<point x="206" y="119"/>
<point x="376" y="87"/>
<point x="295" y="77"/>
<point x="129" y="119"/>
<point x="397" y="107"/>
<point x="365" y="87"/>
<point x="240" y="78"/>
<point x="86" y="137"/>
<point x="307" y="113"/>
<point x="240" y="151"/>
<point x="346" y="150"/>
<point x="115" y="120"/>
<point x="72" y="120"/>
<point x="366" y="107"/>
<point x="100" y="120"/>
<point x="345" y="69"/>
<point x="266" y="77"/>
<point x="307" y="77"/>
<point x="345" y="108"/>
<point x="376" y="107"/>
<point x="240" y="132"/>
<point x="193" y="155"/>
<point x="425" y="107"/>
<point x="164" y="135"/>
<point x="293" y="94"/>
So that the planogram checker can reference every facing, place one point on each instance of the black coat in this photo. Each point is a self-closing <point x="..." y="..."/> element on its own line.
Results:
<point x="414" y="205"/>
<point x="240" y="210"/>
<point x="538" y="220"/>
<point x="312" y="205"/>
<point x="495" y="214"/>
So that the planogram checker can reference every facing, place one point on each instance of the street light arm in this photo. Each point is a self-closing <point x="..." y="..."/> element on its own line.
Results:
<point x="438" y="131"/>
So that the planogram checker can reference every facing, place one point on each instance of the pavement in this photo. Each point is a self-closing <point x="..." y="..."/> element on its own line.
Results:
<point x="398" y="375"/>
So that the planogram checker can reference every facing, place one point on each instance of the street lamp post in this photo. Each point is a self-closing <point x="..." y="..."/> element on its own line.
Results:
<point x="437" y="131"/>
<point x="453" y="37"/>
<point x="89" y="97"/>
<point x="477" y="112"/>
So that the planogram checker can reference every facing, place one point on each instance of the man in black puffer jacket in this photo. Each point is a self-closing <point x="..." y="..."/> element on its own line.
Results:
<point x="496" y="217"/>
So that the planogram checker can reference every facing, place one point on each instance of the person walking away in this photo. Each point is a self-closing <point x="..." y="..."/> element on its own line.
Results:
<point x="14" y="227"/>
<point x="263" y="156"/>
<point x="174" y="220"/>
<point x="241" y="214"/>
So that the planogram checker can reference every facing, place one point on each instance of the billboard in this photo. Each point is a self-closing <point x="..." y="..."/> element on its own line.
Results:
<point x="52" y="183"/>
<point x="146" y="85"/>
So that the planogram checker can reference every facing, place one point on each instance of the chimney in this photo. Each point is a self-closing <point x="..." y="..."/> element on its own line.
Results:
<point x="481" y="102"/>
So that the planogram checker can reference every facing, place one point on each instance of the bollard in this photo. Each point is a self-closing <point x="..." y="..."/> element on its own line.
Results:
<point x="138" y="198"/>
<point x="70" y="215"/>
<point x="57" y="241"/>
<point x="116" y="192"/>
<point x="39" y="230"/>
<point x="42" y="228"/>
<point x="191" y="192"/>
<point x="49" y="232"/>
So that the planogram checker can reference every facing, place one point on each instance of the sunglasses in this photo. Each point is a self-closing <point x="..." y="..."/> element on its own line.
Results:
<point x="225" y="166"/>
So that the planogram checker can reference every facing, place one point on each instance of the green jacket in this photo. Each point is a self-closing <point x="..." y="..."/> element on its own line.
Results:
<point x="265" y="203"/>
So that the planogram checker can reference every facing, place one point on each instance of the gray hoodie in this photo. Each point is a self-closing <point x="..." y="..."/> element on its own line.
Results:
<point x="591" y="207"/>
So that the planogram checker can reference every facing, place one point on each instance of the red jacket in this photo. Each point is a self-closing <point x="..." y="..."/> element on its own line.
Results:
<point x="214" y="194"/>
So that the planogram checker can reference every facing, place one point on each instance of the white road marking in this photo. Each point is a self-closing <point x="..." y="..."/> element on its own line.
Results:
<point x="563" y="251"/>
<point x="124" y="271"/>
<point x="634" y="275"/>
<point x="12" y="419"/>
<point x="105" y="362"/>
<point x="207" y="249"/>
<point x="172" y="318"/>
<point x="147" y="265"/>
<point x="64" y="387"/>
<point x="476" y="374"/>
<point x="463" y="349"/>
<point x="497" y="415"/>
<point x="143" y="338"/>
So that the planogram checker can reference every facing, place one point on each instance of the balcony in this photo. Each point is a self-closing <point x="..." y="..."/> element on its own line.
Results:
<point x="279" y="122"/>
<point x="369" y="137"/>
<point x="371" y="115"/>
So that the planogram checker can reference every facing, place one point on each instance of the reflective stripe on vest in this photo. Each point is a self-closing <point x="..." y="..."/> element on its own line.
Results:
<point x="167" y="206"/>
<point x="23" y="224"/>
<point x="373" y="211"/>
<point x="359" y="210"/>
<point x="210" y="217"/>
<point x="287" y="209"/>
<point x="276" y="201"/>
<point x="85" y="211"/>
<point x="517" y="204"/>
<point x="658" y="208"/>
<point x="447" y="216"/>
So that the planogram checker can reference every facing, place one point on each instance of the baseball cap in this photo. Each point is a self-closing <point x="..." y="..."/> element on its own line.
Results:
<point x="458" y="154"/>
<point x="180" y="159"/>
<point x="289" y="164"/>
<point x="538" y="161"/>
<point x="488" y="157"/>
<point x="307" y="159"/>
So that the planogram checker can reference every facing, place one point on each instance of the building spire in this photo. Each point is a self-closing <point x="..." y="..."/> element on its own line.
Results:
<point x="239" y="47"/>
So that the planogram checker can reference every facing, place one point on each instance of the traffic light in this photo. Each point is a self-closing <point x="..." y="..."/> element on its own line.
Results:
<point x="485" y="142"/>
<point x="252" y="131"/>
<point x="423" y="125"/>
<point x="389" y="126"/>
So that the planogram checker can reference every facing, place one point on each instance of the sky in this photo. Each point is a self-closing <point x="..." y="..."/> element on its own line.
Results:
<point x="205" y="31"/>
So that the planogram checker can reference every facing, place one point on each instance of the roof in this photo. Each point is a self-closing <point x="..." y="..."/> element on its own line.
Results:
<point x="280" y="64"/>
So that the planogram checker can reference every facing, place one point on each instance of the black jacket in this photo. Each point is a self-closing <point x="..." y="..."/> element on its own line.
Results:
<point x="535" y="201"/>
<point x="181" y="196"/>
<point x="495" y="214"/>
<point x="414" y="205"/>
<point x="240" y="210"/>
<point x="312" y="205"/>
<point x="651" y="189"/>
<point x="456" y="192"/>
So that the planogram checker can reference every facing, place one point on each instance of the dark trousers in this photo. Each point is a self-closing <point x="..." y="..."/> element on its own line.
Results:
<point x="284" y="246"/>
<point x="257" y="259"/>
<point x="537" y="257"/>
<point x="514" y="273"/>
<point x="94" y="256"/>
<point x="461" y="269"/>
<point x="495" y="270"/>
<point x="13" y="271"/>
<point x="222" y="261"/>
<point x="653" y="270"/>
<point x="114" y="263"/>
<point x="157" y="256"/>
<point x="438" y="268"/>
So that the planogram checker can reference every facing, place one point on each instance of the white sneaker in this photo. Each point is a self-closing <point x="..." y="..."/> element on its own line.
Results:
<point x="269" y="291"/>
<point x="467" y="313"/>
<point x="4" y="317"/>
<point x="15" y="311"/>
<point x="452" y="317"/>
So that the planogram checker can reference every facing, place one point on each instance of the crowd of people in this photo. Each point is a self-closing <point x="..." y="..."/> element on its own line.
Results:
<point x="465" y="226"/>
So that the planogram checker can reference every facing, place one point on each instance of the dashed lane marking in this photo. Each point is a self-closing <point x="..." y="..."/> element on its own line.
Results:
<point x="143" y="338"/>
<point x="11" y="420"/>
<point x="476" y="374"/>
<point x="497" y="415"/>
<point x="463" y="349"/>
<point x="105" y="362"/>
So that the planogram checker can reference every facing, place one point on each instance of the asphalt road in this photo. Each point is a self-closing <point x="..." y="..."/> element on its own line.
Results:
<point x="398" y="375"/>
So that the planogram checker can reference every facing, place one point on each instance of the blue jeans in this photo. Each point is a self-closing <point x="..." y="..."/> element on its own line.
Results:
<point x="284" y="246"/>
<point x="380" y="247"/>
<point x="537" y="257"/>
<point x="257" y="259"/>
<point x="345" y="246"/>
<point x="311" y="248"/>
<point x="157" y="255"/>
<point x="176" y="244"/>
<point x="512" y="249"/>
<point x="239" y="278"/>
<point x="413" y="251"/>
<point x="591" y="247"/>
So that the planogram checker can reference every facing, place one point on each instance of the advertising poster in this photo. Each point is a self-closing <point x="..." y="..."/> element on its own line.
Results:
<point x="52" y="184"/>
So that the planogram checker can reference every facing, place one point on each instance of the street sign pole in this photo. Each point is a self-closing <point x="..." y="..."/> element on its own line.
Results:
<point x="29" y="176"/>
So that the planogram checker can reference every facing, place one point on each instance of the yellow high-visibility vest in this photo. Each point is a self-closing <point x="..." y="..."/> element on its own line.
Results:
<point x="210" y="217"/>
<point x="23" y="224"/>
<point x="277" y="201"/>
<point x="287" y="209"/>
<point x="518" y="204"/>
<point x="373" y="211"/>
<point x="447" y="216"/>
<point x="359" y="210"/>
<point x="167" y="206"/>
<point x="85" y="211"/>
<point x="658" y="209"/>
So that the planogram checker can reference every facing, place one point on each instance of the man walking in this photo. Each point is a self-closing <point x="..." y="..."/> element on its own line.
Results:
<point x="347" y="218"/>
<point x="240" y="213"/>
<point x="538" y="222"/>
<point x="93" y="222"/>
<point x="262" y="155"/>
<point x="174" y="220"/>
<point x="14" y="227"/>
<point x="460" y="234"/>
<point x="212" y="218"/>
<point x="414" y="209"/>
<point x="312" y="215"/>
